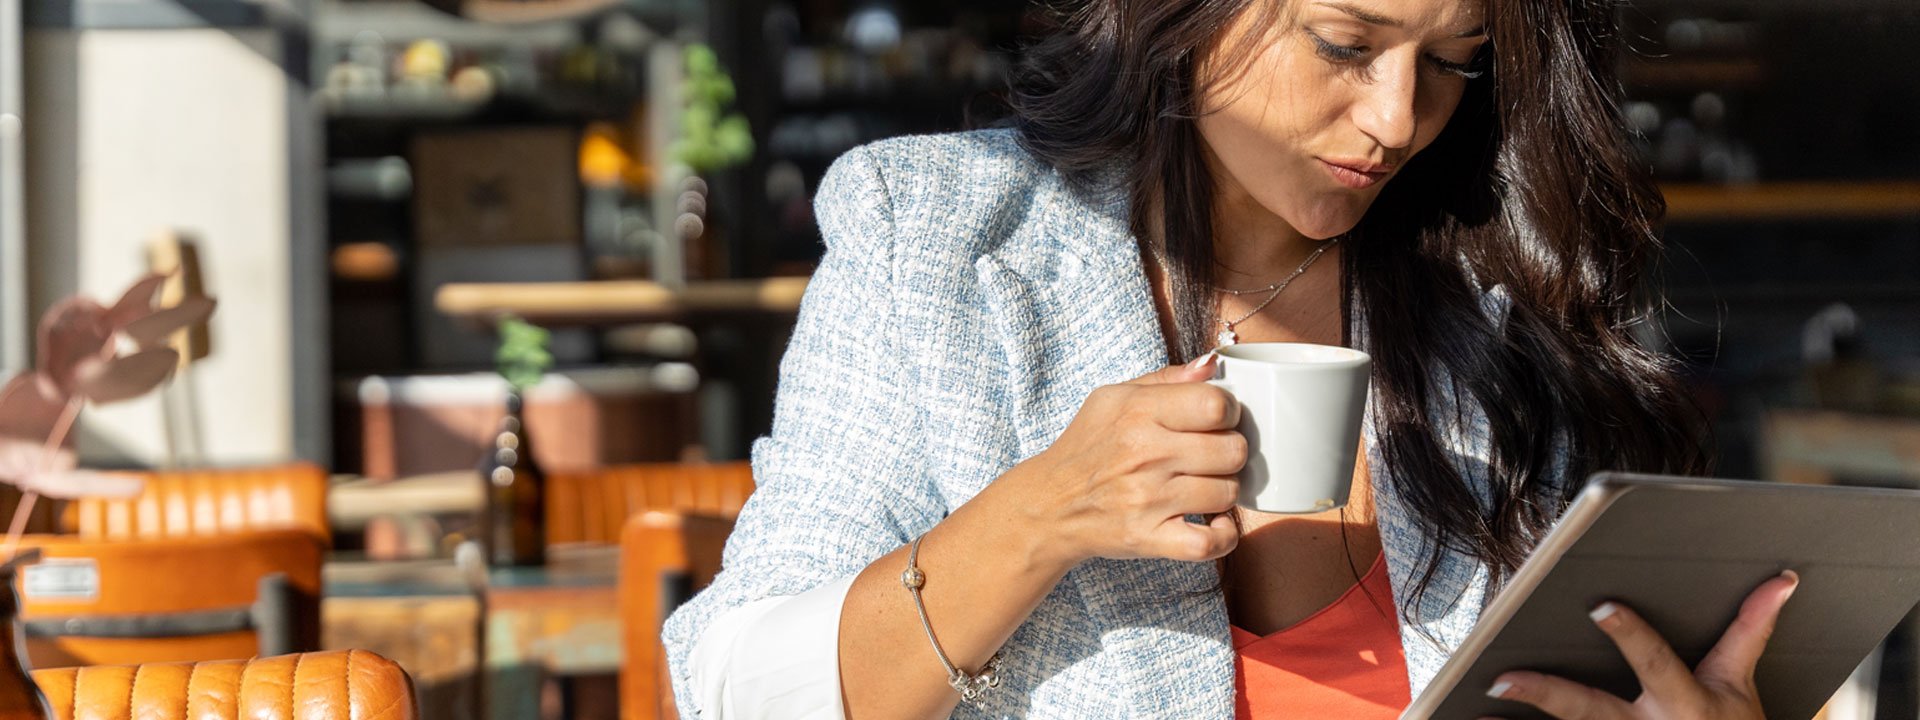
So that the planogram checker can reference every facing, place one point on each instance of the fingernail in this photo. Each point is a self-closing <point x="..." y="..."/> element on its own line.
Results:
<point x="1790" y="588"/>
<point x="1499" y="690"/>
<point x="1200" y="362"/>
<point x="1603" y="615"/>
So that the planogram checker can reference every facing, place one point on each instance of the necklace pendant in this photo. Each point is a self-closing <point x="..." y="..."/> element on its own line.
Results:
<point x="1226" y="336"/>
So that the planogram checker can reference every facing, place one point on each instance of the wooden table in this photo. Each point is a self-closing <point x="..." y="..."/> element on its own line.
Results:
<point x="560" y="620"/>
<point x="354" y="501"/>
<point x="750" y="318"/>
<point x="1825" y="447"/>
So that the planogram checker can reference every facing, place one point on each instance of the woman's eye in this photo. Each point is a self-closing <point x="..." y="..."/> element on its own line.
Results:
<point x="1468" y="70"/>
<point x="1336" y="52"/>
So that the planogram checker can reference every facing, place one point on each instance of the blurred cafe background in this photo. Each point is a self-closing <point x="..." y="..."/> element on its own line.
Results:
<point x="502" y="286"/>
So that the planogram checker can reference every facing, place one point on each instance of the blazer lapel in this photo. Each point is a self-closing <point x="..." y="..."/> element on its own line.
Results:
<point x="1073" y="309"/>
<point x="1434" y="627"/>
<point x="1447" y="611"/>
<point x="1069" y="297"/>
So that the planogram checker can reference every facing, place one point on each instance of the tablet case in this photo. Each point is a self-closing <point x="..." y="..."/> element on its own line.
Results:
<point x="1684" y="553"/>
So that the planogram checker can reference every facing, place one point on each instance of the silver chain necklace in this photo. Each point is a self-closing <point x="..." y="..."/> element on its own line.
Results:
<point x="1227" y="336"/>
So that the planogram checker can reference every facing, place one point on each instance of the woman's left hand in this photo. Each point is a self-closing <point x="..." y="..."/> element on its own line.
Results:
<point x="1721" y="687"/>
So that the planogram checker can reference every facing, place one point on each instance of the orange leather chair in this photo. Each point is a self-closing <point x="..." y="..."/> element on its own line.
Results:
<point x="340" y="684"/>
<point x="121" y="602"/>
<point x="43" y="518"/>
<point x="184" y="503"/>
<point x="591" y="507"/>
<point x="664" y="559"/>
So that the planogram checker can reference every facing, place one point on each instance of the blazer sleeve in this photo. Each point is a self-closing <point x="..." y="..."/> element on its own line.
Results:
<point x="840" y="480"/>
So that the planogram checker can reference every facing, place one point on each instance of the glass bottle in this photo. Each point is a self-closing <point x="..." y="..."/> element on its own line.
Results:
<point x="514" y="522"/>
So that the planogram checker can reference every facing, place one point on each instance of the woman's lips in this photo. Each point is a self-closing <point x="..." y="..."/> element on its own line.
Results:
<point x="1358" y="177"/>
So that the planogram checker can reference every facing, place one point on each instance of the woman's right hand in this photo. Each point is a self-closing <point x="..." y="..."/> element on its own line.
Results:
<point x="1137" y="459"/>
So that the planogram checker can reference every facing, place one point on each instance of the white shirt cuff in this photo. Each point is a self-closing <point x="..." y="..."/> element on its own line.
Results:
<point x="778" y="657"/>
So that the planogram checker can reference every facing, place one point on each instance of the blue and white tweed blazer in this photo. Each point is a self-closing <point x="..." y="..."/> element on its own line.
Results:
<point x="968" y="302"/>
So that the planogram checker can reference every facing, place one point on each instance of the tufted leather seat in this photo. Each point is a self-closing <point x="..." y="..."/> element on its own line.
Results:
<point x="183" y="503"/>
<point x="592" y="506"/>
<point x="339" y="684"/>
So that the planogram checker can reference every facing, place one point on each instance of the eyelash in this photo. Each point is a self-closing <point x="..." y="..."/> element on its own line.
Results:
<point x="1342" y="53"/>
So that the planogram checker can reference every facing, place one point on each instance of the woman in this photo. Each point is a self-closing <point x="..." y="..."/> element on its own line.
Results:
<point x="995" y="372"/>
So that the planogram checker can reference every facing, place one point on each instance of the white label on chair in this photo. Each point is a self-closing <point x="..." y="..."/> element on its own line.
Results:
<point x="61" y="579"/>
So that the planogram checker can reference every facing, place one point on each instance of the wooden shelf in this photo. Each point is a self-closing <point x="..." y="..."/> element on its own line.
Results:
<point x="1691" y="76"/>
<point x="606" y="302"/>
<point x="491" y="23"/>
<point x="1792" y="200"/>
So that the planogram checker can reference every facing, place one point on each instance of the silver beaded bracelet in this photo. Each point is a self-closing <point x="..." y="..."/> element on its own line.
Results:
<point x="970" y="687"/>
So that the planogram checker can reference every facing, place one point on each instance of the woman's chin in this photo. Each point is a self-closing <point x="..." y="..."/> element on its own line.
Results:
<point x="1330" y="225"/>
<point x="1329" y="234"/>
<point x="1333" y="216"/>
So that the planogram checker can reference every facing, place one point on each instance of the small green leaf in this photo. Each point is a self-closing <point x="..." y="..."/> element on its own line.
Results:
<point x="733" y="138"/>
<point x="702" y="60"/>
<point x="522" y="357"/>
<point x="710" y="139"/>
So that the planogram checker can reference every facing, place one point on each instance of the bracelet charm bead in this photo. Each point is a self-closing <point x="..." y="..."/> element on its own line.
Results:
<point x="970" y="687"/>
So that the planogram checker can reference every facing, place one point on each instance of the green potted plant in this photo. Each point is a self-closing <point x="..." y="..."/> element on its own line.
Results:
<point x="712" y="138"/>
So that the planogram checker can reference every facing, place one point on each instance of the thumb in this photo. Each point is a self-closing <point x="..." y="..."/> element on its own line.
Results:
<point x="1201" y="368"/>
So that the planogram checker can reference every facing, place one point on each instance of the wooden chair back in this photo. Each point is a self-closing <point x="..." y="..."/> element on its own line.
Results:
<point x="592" y="507"/>
<point x="186" y="503"/>
<point x="44" y="517"/>
<point x="664" y="559"/>
<point x="120" y="602"/>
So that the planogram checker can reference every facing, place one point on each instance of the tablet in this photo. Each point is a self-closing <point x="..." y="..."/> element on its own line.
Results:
<point x="1684" y="553"/>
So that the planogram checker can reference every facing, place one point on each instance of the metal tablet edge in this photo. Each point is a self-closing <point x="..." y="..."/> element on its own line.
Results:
<point x="1601" y="491"/>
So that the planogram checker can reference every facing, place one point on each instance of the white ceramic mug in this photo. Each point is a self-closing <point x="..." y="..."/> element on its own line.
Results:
<point x="1301" y="406"/>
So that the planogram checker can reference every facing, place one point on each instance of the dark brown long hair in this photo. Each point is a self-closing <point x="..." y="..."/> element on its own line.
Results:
<point x="1532" y="186"/>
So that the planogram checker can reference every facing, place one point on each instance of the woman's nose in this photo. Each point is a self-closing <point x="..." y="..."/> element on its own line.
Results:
<point x="1384" y="109"/>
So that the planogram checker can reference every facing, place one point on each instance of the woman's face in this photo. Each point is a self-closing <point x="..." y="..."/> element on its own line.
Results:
<point x="1333" y="99"/>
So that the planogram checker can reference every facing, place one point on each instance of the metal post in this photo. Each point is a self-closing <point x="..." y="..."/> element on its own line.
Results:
<point x="273" y="616"/>
<point x="13" y="238"/>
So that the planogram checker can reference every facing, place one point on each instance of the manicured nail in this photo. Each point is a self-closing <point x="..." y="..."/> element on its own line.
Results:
<point x="1499" y="690"/>
<point x="1602" y="614"/>
<point x="1200" y="362"/>
<point x="1790" y="588"/>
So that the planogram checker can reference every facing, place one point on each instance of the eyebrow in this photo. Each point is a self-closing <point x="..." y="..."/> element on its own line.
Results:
<point x="1372" y="18"/>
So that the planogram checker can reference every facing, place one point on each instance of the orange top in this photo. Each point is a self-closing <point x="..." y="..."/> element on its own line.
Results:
<point x="1342" y="662"/>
